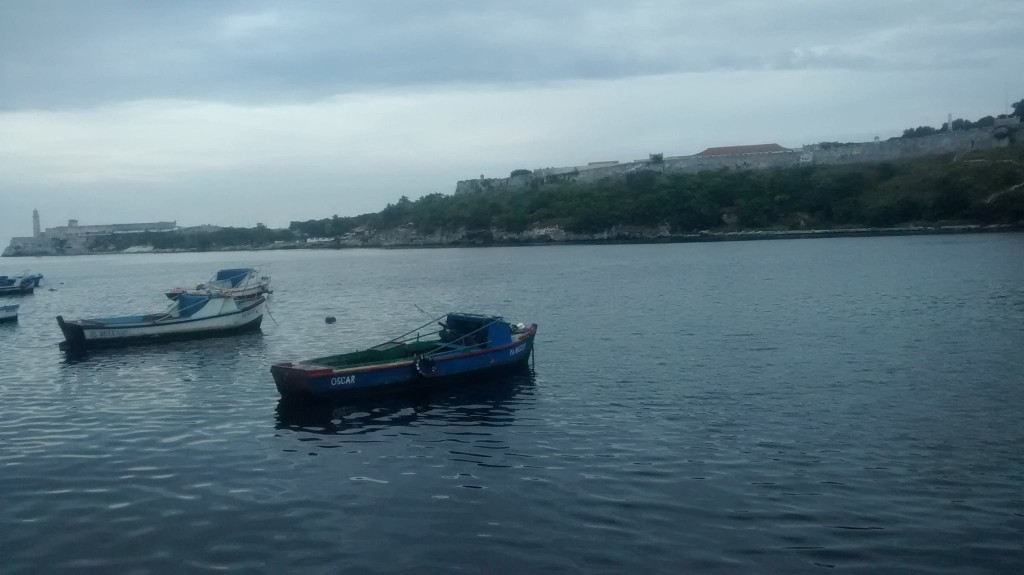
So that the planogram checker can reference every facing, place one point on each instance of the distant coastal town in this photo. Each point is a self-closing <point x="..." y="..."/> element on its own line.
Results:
<point x="964" y="177"/>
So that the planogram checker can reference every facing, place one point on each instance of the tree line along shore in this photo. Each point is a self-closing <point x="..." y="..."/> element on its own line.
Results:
<point x="977" y="188"/>
<point x="976" y="191"/>
<point x="952" y="192"/>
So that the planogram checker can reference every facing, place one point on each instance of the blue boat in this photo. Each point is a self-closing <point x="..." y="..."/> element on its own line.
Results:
<point x="19" y="285"/>
<point x="467" y="347"/>
<point x="239" y="283"/>
<point x="34" y="278"/>
<point x="8" y="313"/>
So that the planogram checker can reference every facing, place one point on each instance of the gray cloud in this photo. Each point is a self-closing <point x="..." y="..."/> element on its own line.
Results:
<point x="138" y="111"/>
<point x="68" y="53"/>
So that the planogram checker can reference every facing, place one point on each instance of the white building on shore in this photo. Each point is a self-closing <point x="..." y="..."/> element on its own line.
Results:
<point x="73" y="238"/>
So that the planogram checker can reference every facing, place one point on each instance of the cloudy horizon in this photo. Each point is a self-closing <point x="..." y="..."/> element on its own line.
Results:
<point x="235" y="113"/>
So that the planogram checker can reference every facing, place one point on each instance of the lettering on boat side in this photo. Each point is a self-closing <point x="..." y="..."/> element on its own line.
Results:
<point x="343" y="380"/>
<point x="517" y="349"/>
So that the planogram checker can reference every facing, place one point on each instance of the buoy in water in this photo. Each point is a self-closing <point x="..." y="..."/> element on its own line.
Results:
<point x="329" y="319"/>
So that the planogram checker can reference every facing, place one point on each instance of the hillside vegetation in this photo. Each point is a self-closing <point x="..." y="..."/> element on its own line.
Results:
<point x="980" y="187"/>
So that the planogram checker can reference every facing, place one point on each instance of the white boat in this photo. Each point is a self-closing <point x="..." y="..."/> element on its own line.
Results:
<point x="189" y="317"/>
<point x="236" y="282"/>
<point x="8" y="313"/>
<point x="18" y="285"/>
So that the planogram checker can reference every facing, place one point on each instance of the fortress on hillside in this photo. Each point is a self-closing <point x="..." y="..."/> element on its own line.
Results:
<point x="73" y="238"/>
<point x="763" y="156"/>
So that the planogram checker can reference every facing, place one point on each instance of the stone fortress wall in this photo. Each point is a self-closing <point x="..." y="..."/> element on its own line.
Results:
<point x="824" y="153"/>
<point x="74" y="230"/>
<point x="73" y="238"/>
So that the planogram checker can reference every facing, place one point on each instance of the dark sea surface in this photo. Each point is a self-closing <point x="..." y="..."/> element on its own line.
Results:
<point x="773" y="406"/>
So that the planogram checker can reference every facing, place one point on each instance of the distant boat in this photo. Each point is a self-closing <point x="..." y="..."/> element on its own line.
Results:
<point x="467" y="346"/>
<point x="18" y="285"/>
<point x="36" y="278"/>
<point x="189" y="317"/>
<point x="237" y="283"/>
<point x="8" y="313"/>
<point x="25" y="277"/>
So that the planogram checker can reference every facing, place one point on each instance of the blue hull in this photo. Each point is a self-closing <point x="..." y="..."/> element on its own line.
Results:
<point x="312" y="382"/>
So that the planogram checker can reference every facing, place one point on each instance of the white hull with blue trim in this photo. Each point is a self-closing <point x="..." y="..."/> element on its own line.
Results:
<point x="235" y="282"/>
<point x="190" y="317"/>
<point x="19" y="285"/>
<point x="8" y="313"/>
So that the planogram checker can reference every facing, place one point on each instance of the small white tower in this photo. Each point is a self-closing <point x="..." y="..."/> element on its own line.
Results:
<point x="36" y="233"/>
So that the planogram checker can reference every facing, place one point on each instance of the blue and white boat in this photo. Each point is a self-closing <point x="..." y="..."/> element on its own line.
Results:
<point x="35" y="278"/>
<point x="468" y="346"/>
<point x="235" y="282"/>
<point x="19" y="285"/>
<point x="8" y="313"/>
<point x="189" y="317"/>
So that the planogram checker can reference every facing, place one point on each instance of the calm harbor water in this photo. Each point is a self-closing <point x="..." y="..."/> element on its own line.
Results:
<point x="776" y="406"/>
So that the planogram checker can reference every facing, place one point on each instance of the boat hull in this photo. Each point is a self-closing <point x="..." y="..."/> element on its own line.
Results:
<point x="309" y="382"/>
<point x="80" y="336"/>
<point x="18" y="290"/>
<point x="8" y="314"/>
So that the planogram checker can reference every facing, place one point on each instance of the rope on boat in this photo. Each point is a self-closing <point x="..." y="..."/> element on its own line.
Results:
<point x="254" y="273"/>
<point x="257" y="271"/>
<point x="266" y="304"/>
<point x="412" y="331"/>
<point x="443" y="351"/>
<point x="426" y="313"/>
<point x="174" y="304"/>
<point x="169" y="311"/>
<point x="407" y="336"/>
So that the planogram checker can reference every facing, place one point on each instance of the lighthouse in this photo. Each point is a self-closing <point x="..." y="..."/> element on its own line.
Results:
<point x="36" y="233"/>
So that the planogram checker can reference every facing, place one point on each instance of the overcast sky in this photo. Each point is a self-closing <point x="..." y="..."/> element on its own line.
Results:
<point x="235" y="113"/>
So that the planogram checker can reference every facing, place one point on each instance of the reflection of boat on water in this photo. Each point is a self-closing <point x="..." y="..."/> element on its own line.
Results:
<point x="245" y="283"/>
<point x="468" y="346"/>
<point x="189" y="317"/>
<point x="491" y="404"/>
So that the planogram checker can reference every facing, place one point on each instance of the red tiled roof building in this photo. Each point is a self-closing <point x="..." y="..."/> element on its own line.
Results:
<point x="744" y="150"/>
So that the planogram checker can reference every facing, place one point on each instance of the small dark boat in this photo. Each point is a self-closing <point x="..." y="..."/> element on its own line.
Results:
<point x="466" y="346"/>
<point x="8" y="313"/>
<point x="19" y="285"/>
<point x="36" y="278"/>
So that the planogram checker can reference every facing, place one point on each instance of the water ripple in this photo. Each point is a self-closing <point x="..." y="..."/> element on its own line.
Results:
<point x="764" y="406"/>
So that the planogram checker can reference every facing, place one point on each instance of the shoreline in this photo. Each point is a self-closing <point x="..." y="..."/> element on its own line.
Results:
<point x="712" y="237"/>
<point x="751" y="235"/>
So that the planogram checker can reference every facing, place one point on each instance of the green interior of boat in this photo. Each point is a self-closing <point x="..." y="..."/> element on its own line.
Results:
<point x="389" y="352"/>
<point x="459" y="333"/>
